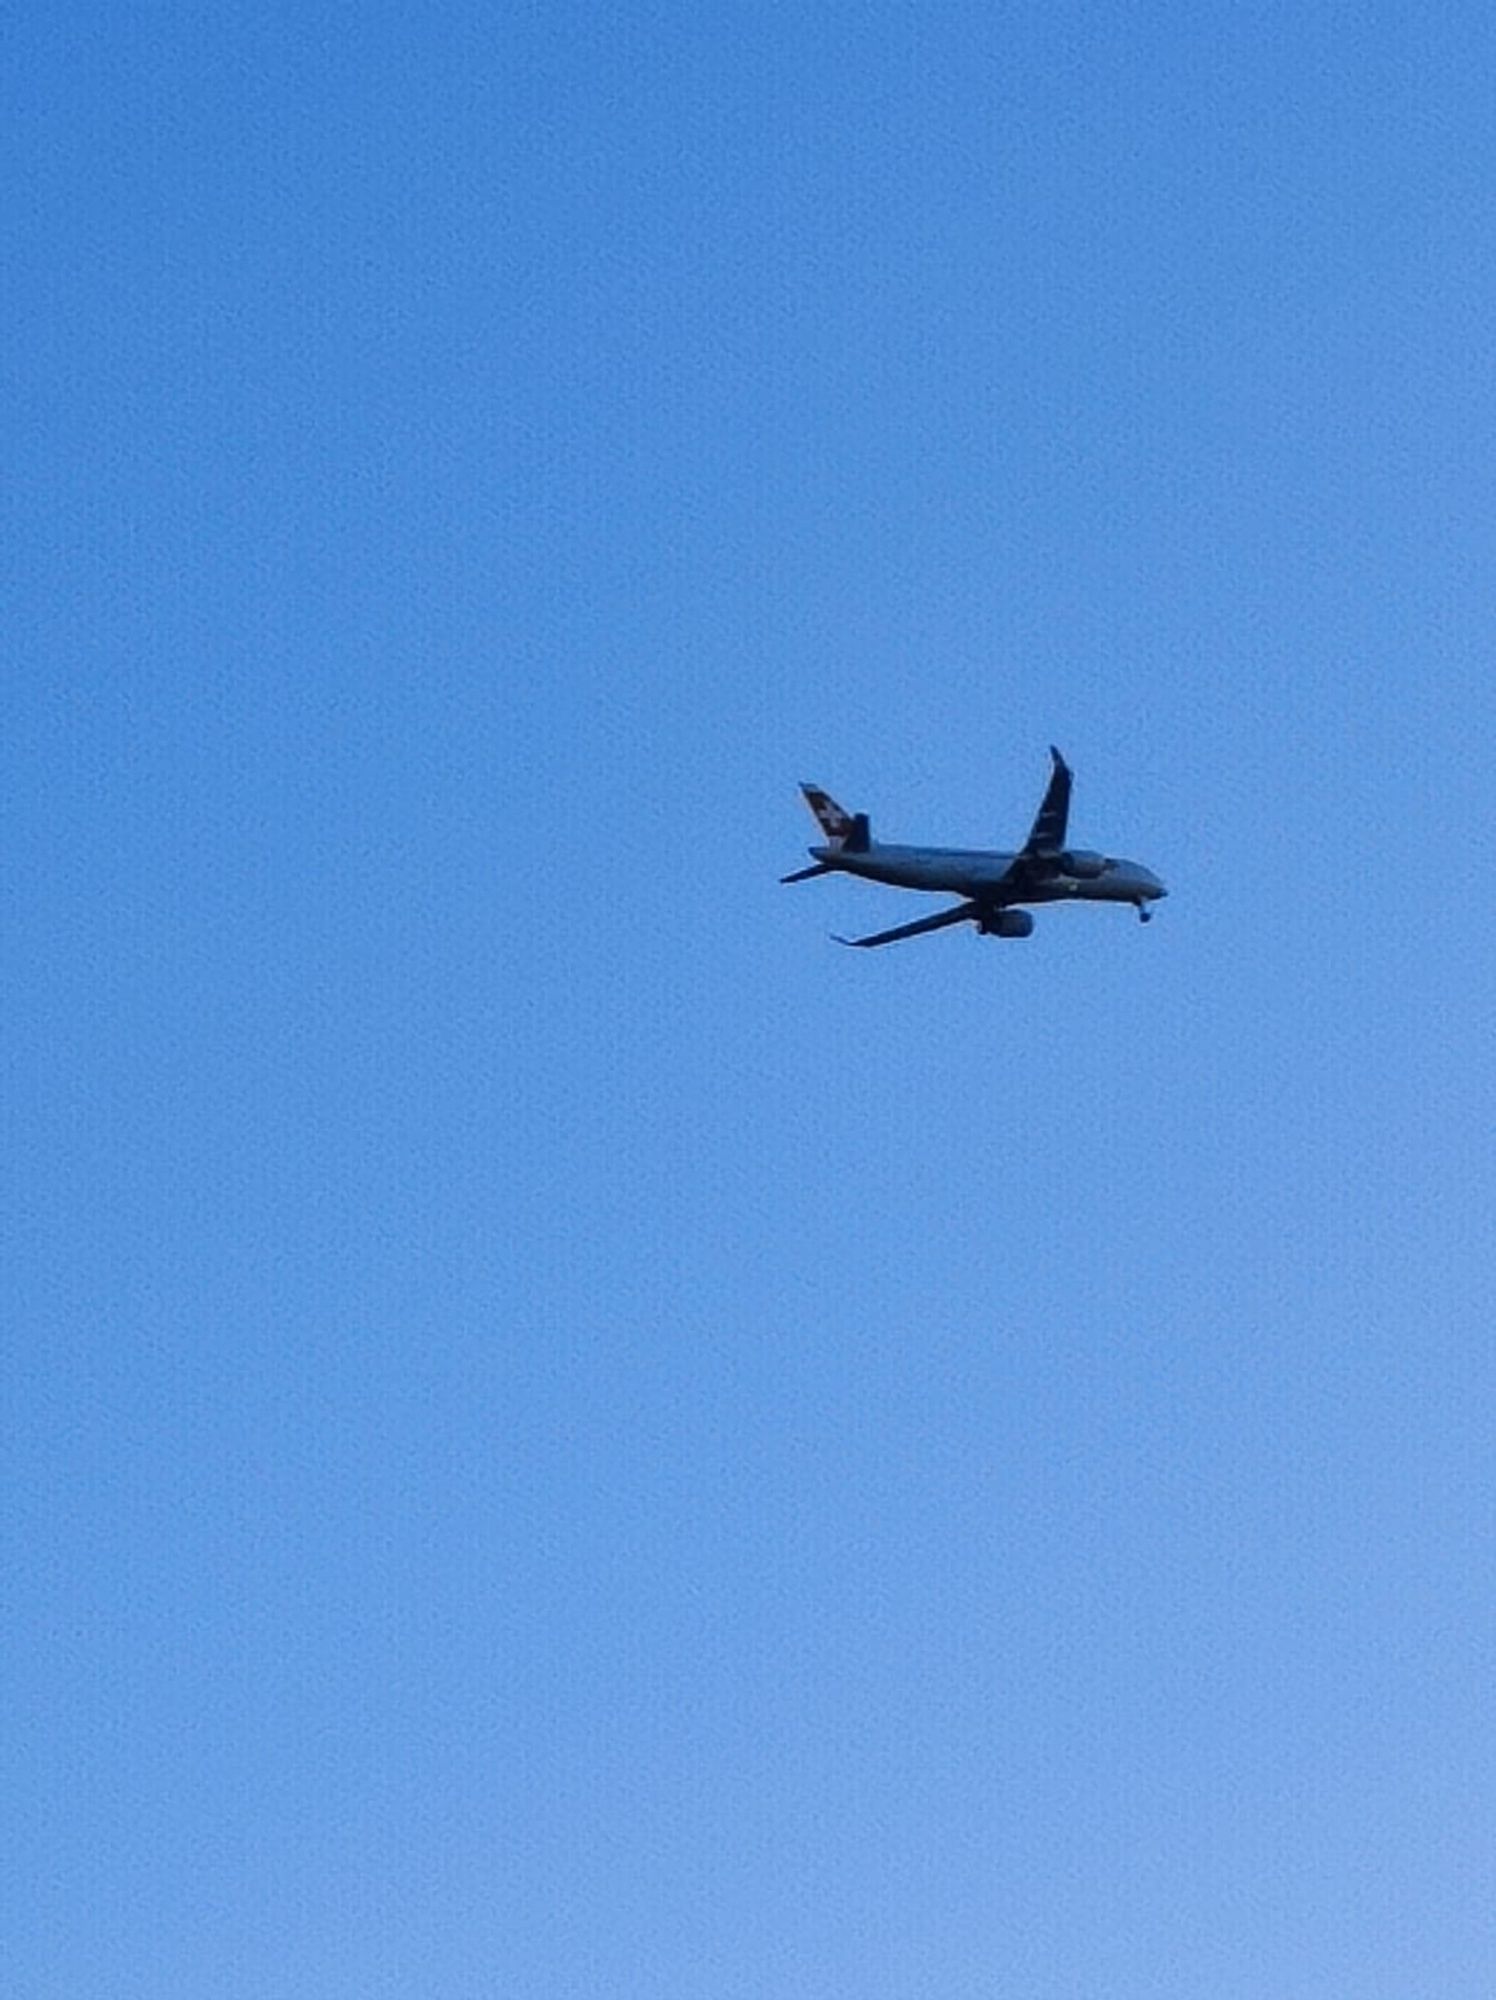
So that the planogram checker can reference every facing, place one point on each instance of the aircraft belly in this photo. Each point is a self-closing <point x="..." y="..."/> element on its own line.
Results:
<point x="983" y="877"/>
<point x="935" y="875"/>
<point x="952" y="873"/>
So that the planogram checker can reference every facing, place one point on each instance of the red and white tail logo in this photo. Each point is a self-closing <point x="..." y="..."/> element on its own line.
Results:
<point x="834" y="822"/>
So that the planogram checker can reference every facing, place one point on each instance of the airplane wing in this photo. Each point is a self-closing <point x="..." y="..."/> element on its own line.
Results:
<point x="1047" y="835"/>
<point x="961" y="914"/>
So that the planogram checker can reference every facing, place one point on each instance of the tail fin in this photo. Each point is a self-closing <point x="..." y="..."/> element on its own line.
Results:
<point x="843" y="830"/>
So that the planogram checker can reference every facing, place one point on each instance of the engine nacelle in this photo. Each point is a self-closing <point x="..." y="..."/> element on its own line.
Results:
<point x="1085" y="867"/>
<point x="1006" y="923"/>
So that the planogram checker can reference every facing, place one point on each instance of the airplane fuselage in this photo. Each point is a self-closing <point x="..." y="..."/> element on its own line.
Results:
<point x="986" y="877"/>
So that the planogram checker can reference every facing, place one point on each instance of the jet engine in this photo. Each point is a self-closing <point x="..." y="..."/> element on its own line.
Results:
<point x="1006" y="923"/>
<point x="1084" y="866"/>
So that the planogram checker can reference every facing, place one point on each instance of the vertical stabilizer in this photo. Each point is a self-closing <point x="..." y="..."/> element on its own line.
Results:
<point x="848" y="832"/>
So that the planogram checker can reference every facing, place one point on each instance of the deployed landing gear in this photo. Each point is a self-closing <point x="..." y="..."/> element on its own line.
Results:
<point x="1145" y="915"/>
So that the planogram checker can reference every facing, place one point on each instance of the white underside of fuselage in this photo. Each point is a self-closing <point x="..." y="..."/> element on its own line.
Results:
<point x="984" y="876"/>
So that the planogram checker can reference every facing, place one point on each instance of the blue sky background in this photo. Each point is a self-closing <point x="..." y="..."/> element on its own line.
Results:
<point x="566" y="1437"/>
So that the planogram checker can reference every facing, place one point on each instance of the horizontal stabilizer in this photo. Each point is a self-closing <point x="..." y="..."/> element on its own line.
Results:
<point x="804" y="874"/>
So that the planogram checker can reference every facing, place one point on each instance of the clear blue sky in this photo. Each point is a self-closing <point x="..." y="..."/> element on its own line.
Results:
<point x="568" y="1438"/>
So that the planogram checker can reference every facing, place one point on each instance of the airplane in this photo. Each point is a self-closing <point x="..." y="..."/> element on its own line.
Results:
<point x="991" y="885"/>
